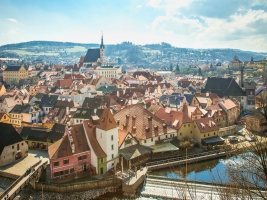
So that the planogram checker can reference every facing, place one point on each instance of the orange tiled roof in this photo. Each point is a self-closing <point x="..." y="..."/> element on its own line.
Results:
<point x="141" y="123"/>
<point x="106" y="121"/>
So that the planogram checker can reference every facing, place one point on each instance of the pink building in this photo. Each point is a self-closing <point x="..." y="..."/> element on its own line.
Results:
<point x="70" y="154"/>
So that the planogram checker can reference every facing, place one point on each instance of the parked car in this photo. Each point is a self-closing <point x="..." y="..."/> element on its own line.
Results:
<point x="251" y="138"/>
<point x="241" y="133"/>
<point x="232" y="139"/>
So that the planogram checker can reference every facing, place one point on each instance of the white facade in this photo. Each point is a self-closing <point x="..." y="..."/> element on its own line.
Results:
<point x="13" y="152"/>
<point x="108" y="140"/>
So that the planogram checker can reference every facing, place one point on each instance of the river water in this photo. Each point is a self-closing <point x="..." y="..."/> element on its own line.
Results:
<point x="210" y="170"/>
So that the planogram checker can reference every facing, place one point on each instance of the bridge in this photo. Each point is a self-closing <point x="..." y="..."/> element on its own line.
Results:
<point x="170" y="188"/>
<point x="13" y="190"/>
<point x="192" y="158"/>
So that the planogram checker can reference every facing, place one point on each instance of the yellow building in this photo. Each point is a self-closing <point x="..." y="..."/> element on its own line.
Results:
<point x="13" y="74"/>
<point x="4" y="118"/>
<point x="2" y="90"/>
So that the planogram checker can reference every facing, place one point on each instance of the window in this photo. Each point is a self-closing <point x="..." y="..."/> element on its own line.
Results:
<point x="56" y="174"/>
<point x="144" y="141"/>
<point x="112" y="147"/>
<point x="112" y="137"/>
<point x="208" y="134"/>
<point x="65" y="162"/>
<point x="102" y="160"/>
<point x="112" y="155"/>
<point x="71" y="170"/>
<point x="188" y="125"/>
<point x="191" y="132"/>
<point x="84" y="157"/>
<point x="214" y="133"/>
<point x="180" y="134"/>
<point x="204" y="135"/>
<point x="12" y="147"/>
<point x="166" y="136"/>
<point x="22" y="144"/>
<point x="56" y="164"/>
<point x="194" y="126"/>
<point x="184" y="125"/>
<point x="151" y="139"/>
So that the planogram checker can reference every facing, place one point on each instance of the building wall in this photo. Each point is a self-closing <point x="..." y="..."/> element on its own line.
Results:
<point x="109" y="145"/>
<point x="203" y="135"/>
<point x="186" y="130"/>
<point x="15" y="119"/>
<point x="5" y="119"/>
<point x="13" y="77"/>
<point x="3" y="90"/>
<point x="13" y="152"/>
<point x="73" y="166"/>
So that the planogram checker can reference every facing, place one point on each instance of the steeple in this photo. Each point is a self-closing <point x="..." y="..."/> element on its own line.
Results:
<point x="102" y="43"/>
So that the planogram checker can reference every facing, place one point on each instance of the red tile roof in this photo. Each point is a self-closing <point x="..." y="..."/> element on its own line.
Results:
<point x="141" y="123"/>
<point x="90" y="130"/>
<point x="206" y="125"/>
<point x="60" y="148"/>
<point x="106" y="121"/>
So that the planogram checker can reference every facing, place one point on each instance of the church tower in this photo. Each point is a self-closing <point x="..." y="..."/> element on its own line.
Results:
<point x="102" y="51"/>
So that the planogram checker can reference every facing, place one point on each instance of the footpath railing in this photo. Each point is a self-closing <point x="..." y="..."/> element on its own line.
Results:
<point x="189" y="158"/>
<point x="20" y="184"/>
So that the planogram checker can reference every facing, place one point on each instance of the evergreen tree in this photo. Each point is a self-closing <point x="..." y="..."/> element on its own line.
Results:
<point x="177" y="69"/>
<point x="200" y="72"/>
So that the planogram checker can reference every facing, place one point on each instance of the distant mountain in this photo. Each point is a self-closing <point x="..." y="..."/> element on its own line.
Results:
<point x="126" y="53"/>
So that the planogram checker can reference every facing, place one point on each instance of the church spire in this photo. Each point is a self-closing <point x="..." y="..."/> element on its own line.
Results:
<point x="102" y="43"/>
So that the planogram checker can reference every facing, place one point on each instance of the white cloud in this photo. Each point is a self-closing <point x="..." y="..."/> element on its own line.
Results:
<point x="12" y="20"/>
<point x="12" y="32"/>
<point x="154" y="3"/>
<point x="139" y="6"/>
<point x="179" y="26"/>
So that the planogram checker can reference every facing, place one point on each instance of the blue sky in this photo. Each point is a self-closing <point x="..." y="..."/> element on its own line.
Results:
<point x="240" y="24"/>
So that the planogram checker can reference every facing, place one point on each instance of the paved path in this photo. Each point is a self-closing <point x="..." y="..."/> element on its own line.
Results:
<point x="15" y="188"/>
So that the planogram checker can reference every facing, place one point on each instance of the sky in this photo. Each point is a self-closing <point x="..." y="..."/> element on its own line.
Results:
<point x="238" y="24"/>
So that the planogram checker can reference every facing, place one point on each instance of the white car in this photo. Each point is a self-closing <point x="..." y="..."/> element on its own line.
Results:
<point x="241" y="133"/>
<point x="251" y="138"/>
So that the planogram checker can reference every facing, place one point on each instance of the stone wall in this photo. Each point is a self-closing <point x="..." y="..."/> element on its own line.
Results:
<point x="76" y="187"/>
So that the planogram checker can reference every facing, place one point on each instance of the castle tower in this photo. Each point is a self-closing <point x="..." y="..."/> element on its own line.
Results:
<point x="102" y="51"/>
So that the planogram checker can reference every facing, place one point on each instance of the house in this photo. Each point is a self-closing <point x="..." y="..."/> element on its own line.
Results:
<point x="36" y="137"/>
<point x="232" y="110"/>
<point x="9" y="103"/>
<point x="206" y="131"/>
<point x="4" y="118"/>
<point x="256" y="122"/>
<point x="145" y="127"/>
<point x="82" y="114"/>
<point x="25" y="114"/>
<point x="13" y="74"/>
<point x="204" y="100"/>
<point x="2" y="90"/>
<point x="70" y="154"/>
<point x="12" y="146"/>
<point x="218" y="114"/>
<point x="177" y="120"/>
<point x="48" y="102"/>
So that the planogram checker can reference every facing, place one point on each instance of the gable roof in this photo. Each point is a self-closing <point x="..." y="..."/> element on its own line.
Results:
<point x="91" y="102"/>
<point x="223" y="87"/>
<point x="107" y="120"/>
<point x="13" y="68"/>
<point x="8" y="136"/>
<point x="90" y="130"/>
<point x="141" y="123"/>
<point x="92" y="55"/>
<point x="48" y="100"/>
<point x="60" y="148"/>
<point x="206" y="125"/>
